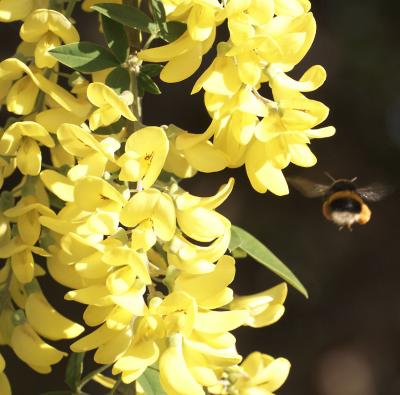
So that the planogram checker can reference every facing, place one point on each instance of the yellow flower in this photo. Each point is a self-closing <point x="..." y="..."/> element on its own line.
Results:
<point x="5" y="388"/>
<point x="47" y="321"/>
<point x="21" y="98"/>
<point x="144" y="157"/>
<point x="153" y="205"/>
<point x="11" y="10"/>
<point x="31" y="349"/>
<point x="183" y="55"/>
<point x="21" y="139"/>
<point x="260" y="373"/>
<point x="93" y="155"/>
<point x="26" y="214"/>
<point x="265" y="308"/>
<point x="209" y="289"/>
<point x="197" y="218"/>
<point x="173" y="361"/>
<point x="22" y="262"/>
<point x="12" y="69"/>
<point x="111" y="106"/>
<point x="176" y="162"/>
<point x="47" y="28"/>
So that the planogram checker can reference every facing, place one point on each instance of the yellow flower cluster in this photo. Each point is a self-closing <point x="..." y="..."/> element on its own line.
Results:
<point x="268" y="38"/>
<point x="147" y="258"/>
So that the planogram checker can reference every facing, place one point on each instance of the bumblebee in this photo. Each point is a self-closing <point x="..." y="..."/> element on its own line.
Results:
<point x="344" y="203"/>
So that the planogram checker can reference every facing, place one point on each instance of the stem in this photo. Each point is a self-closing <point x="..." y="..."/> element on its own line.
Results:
<point x="137" y="102"/>
<point x="70" y="7"/>
<point x="41" y="95"/>
<point x="90" y="375"/>
<point x="134" y="36"/>
<point x="135" y="43"/>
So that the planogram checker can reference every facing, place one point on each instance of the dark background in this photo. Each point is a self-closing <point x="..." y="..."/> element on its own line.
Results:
<point x="344" y="340"/>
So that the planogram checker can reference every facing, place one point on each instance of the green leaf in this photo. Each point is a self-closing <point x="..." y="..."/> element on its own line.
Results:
<point x="119" y="79"/>
<point x="170" y="31"/>
<point x="85" y="56"/>
<point x="158" y="11"/>
<point x="74" y="370"/>
<point x="150" y="382"/>
<point x="146" y="84"/>
<point x="116" y="38"/>
<point x="127" y="16"/>
<point x="152" y="69"/>
<point x="263" y="255"/>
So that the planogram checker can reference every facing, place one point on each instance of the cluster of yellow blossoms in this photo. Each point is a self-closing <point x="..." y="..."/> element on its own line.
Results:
<point x="267" y="39"/>
<point x="148" y="258"/>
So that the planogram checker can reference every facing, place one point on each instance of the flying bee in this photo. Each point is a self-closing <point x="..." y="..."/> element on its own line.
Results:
<point x="344" y="203"/>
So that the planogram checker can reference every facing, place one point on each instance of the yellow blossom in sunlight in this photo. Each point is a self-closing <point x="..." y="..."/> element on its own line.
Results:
<point x="31" y="349"/>
<point x="13" y="69"/>
<point x="183" y="55"/>
<point x="5" y="388"/>
<point x="22" y="261"/>
<point x="26" y="214"/>
<point x="93" y="156"/>
<point x="47" y="321"/>
<point x="265" y="308"/>
<point x="176" y="163"/>
<point x="22" y="140"/>
<point x="47" y="28"/>
<point x="22" y="96"/>
<point x="111" y="106"/>
<point x="261" y="374"/>
<point x="216" y="293"/>
<point x="144" y="157"/>
<point x="196" y="216"/>
<point x="153" y="205"/>
<point x="11" y="10"/>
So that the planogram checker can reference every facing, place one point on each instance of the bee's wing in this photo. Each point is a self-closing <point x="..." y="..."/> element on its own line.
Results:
<point x="306" y="187"/>
<point x="375" y="192"/>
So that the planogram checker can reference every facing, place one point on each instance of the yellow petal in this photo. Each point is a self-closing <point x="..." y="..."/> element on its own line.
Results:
<point x="45" y="44"/>
<point x="41" y="21"/>
<point x="47" y="321"/>
<point x="172" y="361"/>
<point x="31" y="349"/>
<point x="113" y="349"/>
<point x="29" y="158"/>
<point x="11" y="10"/>
<point x="183" y="66"/>
<point x="21" y="98"/>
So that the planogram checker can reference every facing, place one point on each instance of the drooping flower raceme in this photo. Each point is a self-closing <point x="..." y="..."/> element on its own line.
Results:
<point x="93" y="196"/>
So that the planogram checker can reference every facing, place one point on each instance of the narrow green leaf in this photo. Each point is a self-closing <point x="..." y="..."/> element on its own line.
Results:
<point x="152" y="69"/>
<point x="116" y="38"/>
<point x="170" y="31"/>
<point x="74" y="370"/>
<point x="127" y="15"/>
<point x="147" y="84"/>
<point x="158" y="11"/>
<point x="150" y="382"/>
<point x="263" y="255"/>
<point x="119" y="79"/>
<point x="85" y="56"/>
